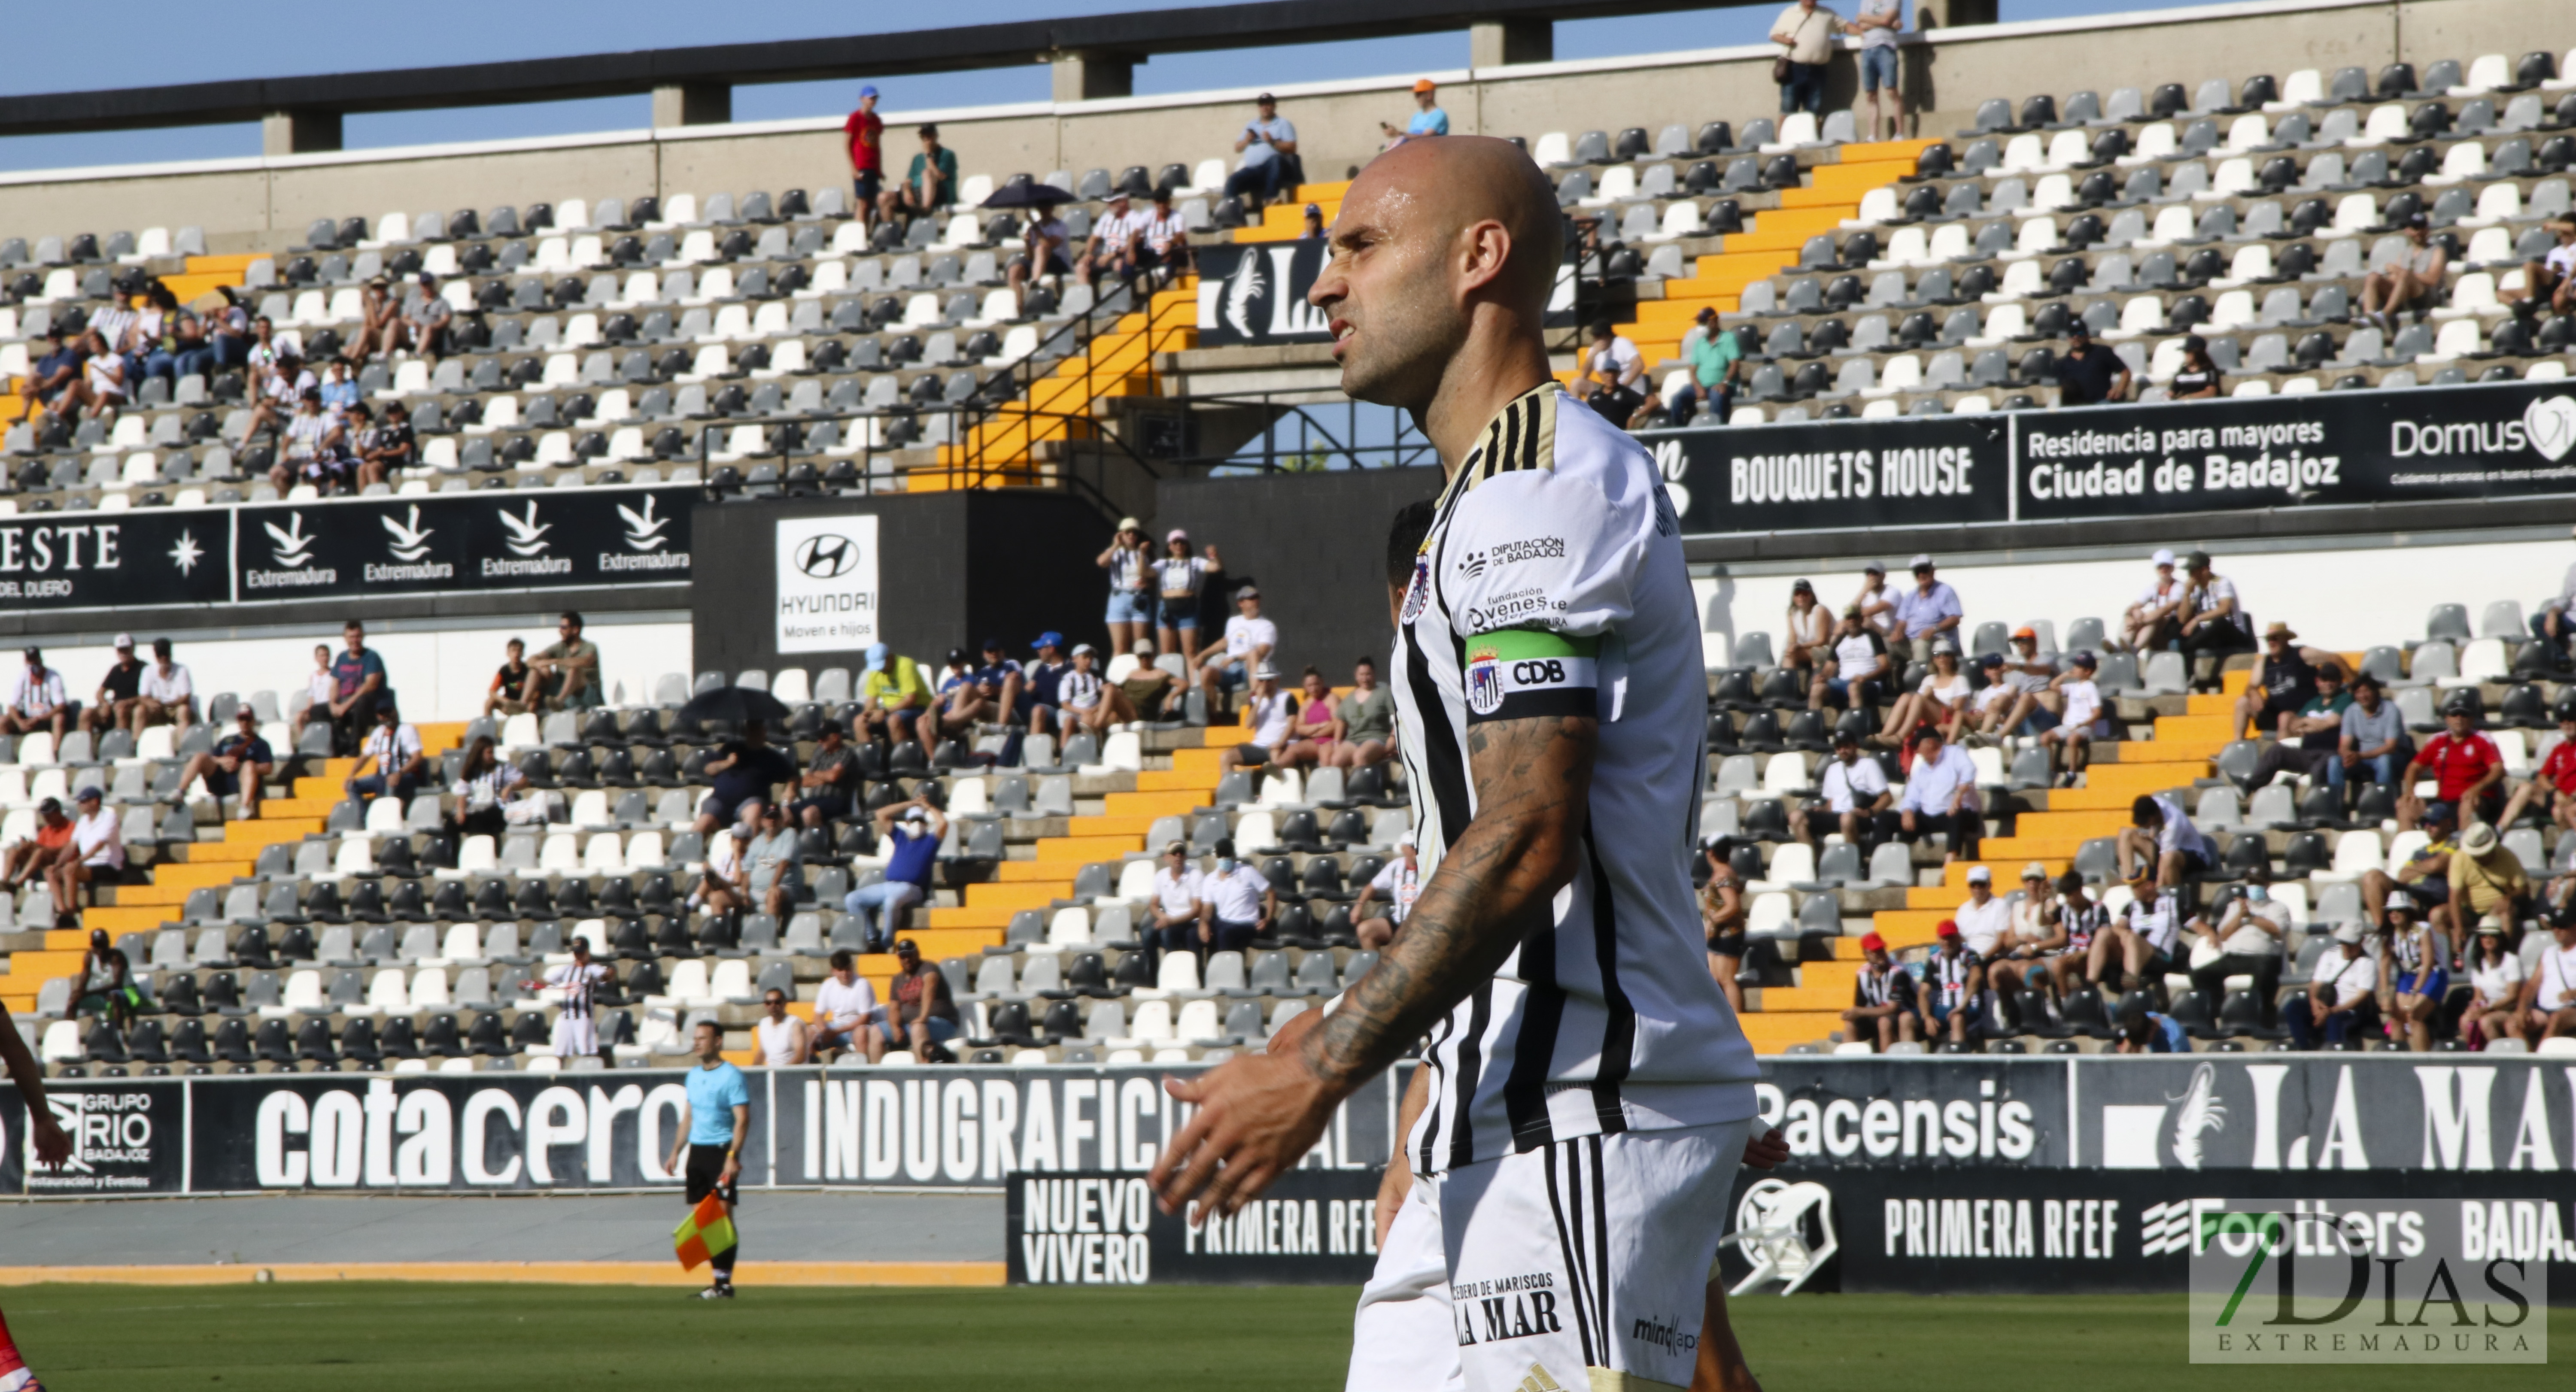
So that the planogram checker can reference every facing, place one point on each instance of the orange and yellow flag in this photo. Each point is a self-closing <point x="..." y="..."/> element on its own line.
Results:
<point x="707" y="1231"/>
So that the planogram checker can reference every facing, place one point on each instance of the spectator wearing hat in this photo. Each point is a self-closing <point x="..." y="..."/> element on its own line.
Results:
<point x="1046" y="250"/>
<point x="828" y="788"/>
<point x="1810" y="630"/>
<point x="118" y="691"/>
<point x="1716" y="358"/>
<point x="919" y="1013"/>
<point x="2421" y="982"/>
<point x="38" y="701"/>
<point x="1267" y="725"/>
<point x="2081" y="719"/>
<point x="30" y="857"/>
<point x="2548" y="1003"/>
<point x="1129" y="559"/>
<point x="2426" y="875"/>
<point x="2551" y="791"/>
<point x="2412" y="282"/>
<point x="984" y="694"/>
<point x="2032" y="938"/>
<point x="929" y="185"/>
<point x="2030" y="703"/>
<point x="2495" y="989"/>
<point x="1179" y="577"/>
<point x="426" y="317"/>
<point x="1854" y="669"/>
<point x="1397" y="884"/>
<point x="1161" y="247"/>
<point x="1722" y="920"/>
<point x="770" y="856"/>
<point x="1251" y="643"/>
<point x="911" y="832"/>
<point x="1427" y="119"/>
<point x="1041" y="693"/>
<point x="2464" y="765"/>
<point x="2090" y="374"/>
<point x="1085" y="702"/>
<point x="1954" y="981"/>
<point x="238" y="765"/>
<point x="105" y="985"/>
<point x="2246" y="941"/>
<point x="1941" y="796"/>
<point x="1612" y="378"/>
<point x="1269" y="167"/>
<point x="2161" y="842"/>
<point x="2484" y="879"/>
<point x="1313" y="230"/>
<point x="2373" y="745"/>
<point x="1927" y="612"/>
<point x="394" y="754"/>
<point x="1939" y="702"/>
<point x="2284" y="681"/>
<point x="1985" y="922"/>
<point x="892" y="697"/>
<point x="864" y="133"/>
<point x="1179" y="901"/>
<point x="2153" y="620"/>
<point x="2217" y="623"/>
<point x="1882" y="1010"/>
<point x="2342" y="1002"/>
<point x="1854" y="798"/>
<point x="2198" y="379"/>
<point x="1106" y="248"/>
<point x="98" y="853"/>
<point x="2309" y="741"/>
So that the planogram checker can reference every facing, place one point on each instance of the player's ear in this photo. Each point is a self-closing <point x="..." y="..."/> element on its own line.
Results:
<point x="1484" y="250"/>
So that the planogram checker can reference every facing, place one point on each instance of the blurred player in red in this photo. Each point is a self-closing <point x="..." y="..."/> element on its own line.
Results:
<point x="52" y="1147"/>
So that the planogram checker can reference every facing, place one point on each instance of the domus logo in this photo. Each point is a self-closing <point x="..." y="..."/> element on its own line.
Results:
<point x="2547" y="427"/>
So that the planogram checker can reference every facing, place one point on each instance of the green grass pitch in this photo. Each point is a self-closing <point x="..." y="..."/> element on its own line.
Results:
<point x="1189" y="1339"/>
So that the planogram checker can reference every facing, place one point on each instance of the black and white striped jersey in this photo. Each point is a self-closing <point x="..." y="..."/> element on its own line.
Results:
<point x="1552" y="583"/>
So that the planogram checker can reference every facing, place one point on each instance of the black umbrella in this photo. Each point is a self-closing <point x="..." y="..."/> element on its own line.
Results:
<point x="1028" y="196"/>
<point x="734" y="703"/>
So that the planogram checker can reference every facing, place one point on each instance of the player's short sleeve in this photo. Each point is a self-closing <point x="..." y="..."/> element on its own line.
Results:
<point x="1538" y="568"/>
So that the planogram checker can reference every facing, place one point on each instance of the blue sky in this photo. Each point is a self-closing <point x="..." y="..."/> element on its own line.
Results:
<point x="200" y="45"/>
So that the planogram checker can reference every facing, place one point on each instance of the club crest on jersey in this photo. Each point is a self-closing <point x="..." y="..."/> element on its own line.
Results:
<point x="1484" y="680"/>
<point x="1418" y="595"/>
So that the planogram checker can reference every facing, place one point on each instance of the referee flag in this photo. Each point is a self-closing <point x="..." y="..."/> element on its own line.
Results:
<point x="707" y="1231"/>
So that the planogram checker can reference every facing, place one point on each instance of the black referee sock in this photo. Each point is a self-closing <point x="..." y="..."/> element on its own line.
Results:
<point x="723" y="1263"/>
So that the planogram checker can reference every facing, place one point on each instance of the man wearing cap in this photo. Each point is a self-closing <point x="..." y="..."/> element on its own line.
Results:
<point x="2484" y="878"/>
<point x="1314" y="227"/>
<point x="929" y="184"/>
<point x="113" y="707"/>
<point x="828" y="788"/>
<point x="1162" y="242"/>
<point x="2465" y="766"/>
<point x="984" y="694"/>
<point x="1882" y="1009"/>
<point x="2215" y="623"/>
<point x="98" y="853"/>
<point x="909" y="832"/>
<point x="2028" y="704"/>
<point x="1106" y="248"/>
<point x="1251" y="642"/>
<point x="2154" y="619"/>
<point x="2548" y="1003"/>
<point x="2246" y="941"/>
<point x="2161" y="842"/>
<point x="892" y="696"/>
<point x="2080" y="720"/>
<point x="2413" y="281"/>
<point x="1268" y="144"/>
<point x="2426" y="875"/>
<point x="1178" y="902"/>
<point x="2307" y="739"/>
<point x="1927" y="611"/>
<point x="1042" y="684"/>
<point x="919" y="1013"/>
<point x="238" y="764"/>
<point x="2090" y="374"/>
<point x="1953" y="982"/>
<point x="2343" y="999"/>
<point x="394" y="753"/>
<point x="1428" y="119"/>
<point x="30" y="858"/>
<point x="1089" y="703"/>
<point x="1854" y="799"/>
<point x="38" y="701"/>
<point x="865" y="133"/>
<point x="1612" y="379"/>
<point x="2284" y="681"/>
<point x="425" y="320"/>
<point x="1854" y="670"/>
<point x="1398" y="883"/>
<point x="1984" y="919"/>
<point x="1716" y="357"/>
<point x="1941" y="795"/>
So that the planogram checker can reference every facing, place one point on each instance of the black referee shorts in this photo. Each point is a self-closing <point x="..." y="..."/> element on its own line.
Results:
<point x="705" y="1165"/>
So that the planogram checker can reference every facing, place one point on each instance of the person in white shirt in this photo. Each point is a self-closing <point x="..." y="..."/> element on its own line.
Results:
<point x="98" y="853"/>
<point x="168" y="695"/>
<point x="1941" y="795"/>
<point x="1178" y="903"/>
<point x="2154" y="618"/>
<point x="38" y="701"/>
<point x="2343" y="1001"/>
<point x="1266" y="716"/>
<point x="1238" y="902"/>
<point x="2143" y="937"/>
<point x="725" y="886"/>
<point x="1398" y="883"/>
<point x="2549" y="997"/>
<point x="2246" y="941"/>
<point x="1876" y="602"/>
<point x="1940" y="702"/>
<point x="1855" y="798"/>
<point x="1251" y="642"/>
<point x="320" y="689"/>
<point x="1178" y="577"/>
<point x="576" y="1029"/>
<point x="2070" y="741"/>
<point x="845" y="1006"/>
<point x="1107" y="244"/>
<point x="1984" y="919"/>
<point x="2161" y="841"/>
<point x="777" y="1038"/>
<point x="2037" y="934"/>
<point x="393" y="751"/>
<point x="1853" y="669"/>
<point x="2549" y="282"/>
<point x="1049" y="253"/>
<point x="2495" y="987"/>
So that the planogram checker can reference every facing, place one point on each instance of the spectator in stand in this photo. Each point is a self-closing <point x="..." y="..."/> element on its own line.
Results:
<point x="1854" y="668"/>
<point x="2144" y="937"/>
<point x="2426" y="875"/>
<point x="1266" y="727"/>
<point x="577" y="984"/>
<point x="2308" y="739"/>
<point x="2160" y="841"/>
<point x="1251" y="644"/>
<point x="965" y="697"/>
<point x="1427" y="120"/>
<point x="107" y="988"/>
<point x="912" y="829"/>
<point x="53" y="374"/>
<point x="393" y="753"/>
<point x="743" y="770"/>
<point x="1368" y="718"/>
<point x="726" y="886"/>
<point x="1877" y="23"/>
<point x="384" y="450"/>
<point x="309" y="448"/>
<point x="846" y="1013"/>
<point x="771" y="858"/>
<point x="1953" y="982"/>
<point x="2413" y="282"/>
<point x="2144" y="1031"/>
<point x="1613" y="376"/>
<point x="892" y="697"/>
<point x="509" y="694"/>
<point x="1091" y="704"/>
<point x="1805" y="32"/>
<point x="320" y="688"/>
<point x="1877" y="604"/>
<point x="2484" y="879"/>
<point x="1940" y="702"/>
<point x="1041" y="685"/>
<point x="864" y="132"/>
<point x="98" y="853"/>
<point x="2495" y="989"/>
<point x="1927" y="613"/>
<point x="2080" y="918"/>
<point x="2154" y="621"/>
<point x="1722" y="920"/>
<point x="2030" y="704"/>
<point x="38" y="702"/>
<point x="2374" y="744"/>
<point x="1179" y="902"/>
<point x="1314" y="229"/>
<point x="101" y="387"/>
<point x="2551" y="791"/>
<point x="828" y="789"/>
<point x="2081" y="720"/>
<point x="1717" y="370"/>
<point x="29" y="858"/>
<point x="425" y="320"/>
<point x="1180" y="575"/>
<point x="1047" y="250"/>
<point x="1315" y="730"/>
<point x="114" y="326"/>
<point x="2032" y="936"/>
<point x="1399" y="883"/>
<point x="112" y="708"/>
<point x="2198" y="379"/>
<point x="928" y="186"/>
<point x="339" y="393"/>
<point x="1269" y="168"/>
<point x="999" y="684"/>
<point x="488" y="792"/>
<point x="2423" y="984"/>
<point x="777" y="1038"/>
<point x="1882" y="1009"/>
<point x="278" y="382"/>
<point x="1855" y="798"/>
<point x="1941" y="795"/>
<point x="226" y="334"/>
<point x="2549" y="997"/>
<point x="357" y="683"/>
<point x="919" y="1014"/>
<point x="2284" y="681"/>
<point x="1104" y="252"/>
<point x="2090" y="374"/>
<point x="379" y="322"/>
<point x="1236" y="901"/>
<point x="1810" y="630"/>
<point x="1129" y="559"/>
<point x="2217" y="624"/>
<point x="2342" y="1000"/>
<point x="168" y="694"/>
<point x="2465" y="765"/>
<point x="567" y="671"/>
<point x="2246" y="941"/>
<point x="1984" y="921"/>
<point x="2549" y="283"/>
<point x="1162" y="244"/>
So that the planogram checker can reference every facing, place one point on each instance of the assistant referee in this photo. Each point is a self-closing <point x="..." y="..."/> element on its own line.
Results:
<point x="719" y="1119"/>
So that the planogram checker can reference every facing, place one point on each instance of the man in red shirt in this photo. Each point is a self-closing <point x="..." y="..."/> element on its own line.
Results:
<point x="866" y="132"/>
<point x="2553" y="789"/>
<point x="2466" y="764"/>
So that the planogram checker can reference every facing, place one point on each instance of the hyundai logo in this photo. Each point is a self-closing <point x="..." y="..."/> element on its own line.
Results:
<point x="827" y="557"/>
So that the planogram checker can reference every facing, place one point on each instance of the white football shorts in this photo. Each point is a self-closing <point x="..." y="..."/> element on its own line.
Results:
<point x="1581" y="1265"/>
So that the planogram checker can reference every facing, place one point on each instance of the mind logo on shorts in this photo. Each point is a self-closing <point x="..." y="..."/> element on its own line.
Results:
<point x="1507" y="1307"/>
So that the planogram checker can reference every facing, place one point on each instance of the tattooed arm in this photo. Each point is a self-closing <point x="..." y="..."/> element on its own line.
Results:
<point x="1258" y="1115"/>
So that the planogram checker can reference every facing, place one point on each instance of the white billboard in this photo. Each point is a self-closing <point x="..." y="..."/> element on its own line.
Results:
<point x="827" y="584"/>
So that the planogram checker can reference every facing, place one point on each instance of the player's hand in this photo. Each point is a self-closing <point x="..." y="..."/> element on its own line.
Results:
<point x="1764" y="1151"/>
<point x="1257" y="1116"/>
<point x="52" y="1146"/>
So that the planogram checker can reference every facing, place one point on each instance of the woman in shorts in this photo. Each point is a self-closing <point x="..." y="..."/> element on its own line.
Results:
<point x="2421" y="980"/>
<point x="2495" y="984"/>
<point x="1180" y="576"/>
<point x="1315" y="730"/>
<point x="1722" y="919"/>
<point x="1941" y="699"/>
<point x="1130" y="563"/>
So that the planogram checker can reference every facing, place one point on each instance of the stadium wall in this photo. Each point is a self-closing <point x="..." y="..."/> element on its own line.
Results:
<point x="265" y="203"/>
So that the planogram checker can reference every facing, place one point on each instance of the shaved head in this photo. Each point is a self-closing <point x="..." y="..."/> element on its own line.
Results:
<point x="1442" y="260"/>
